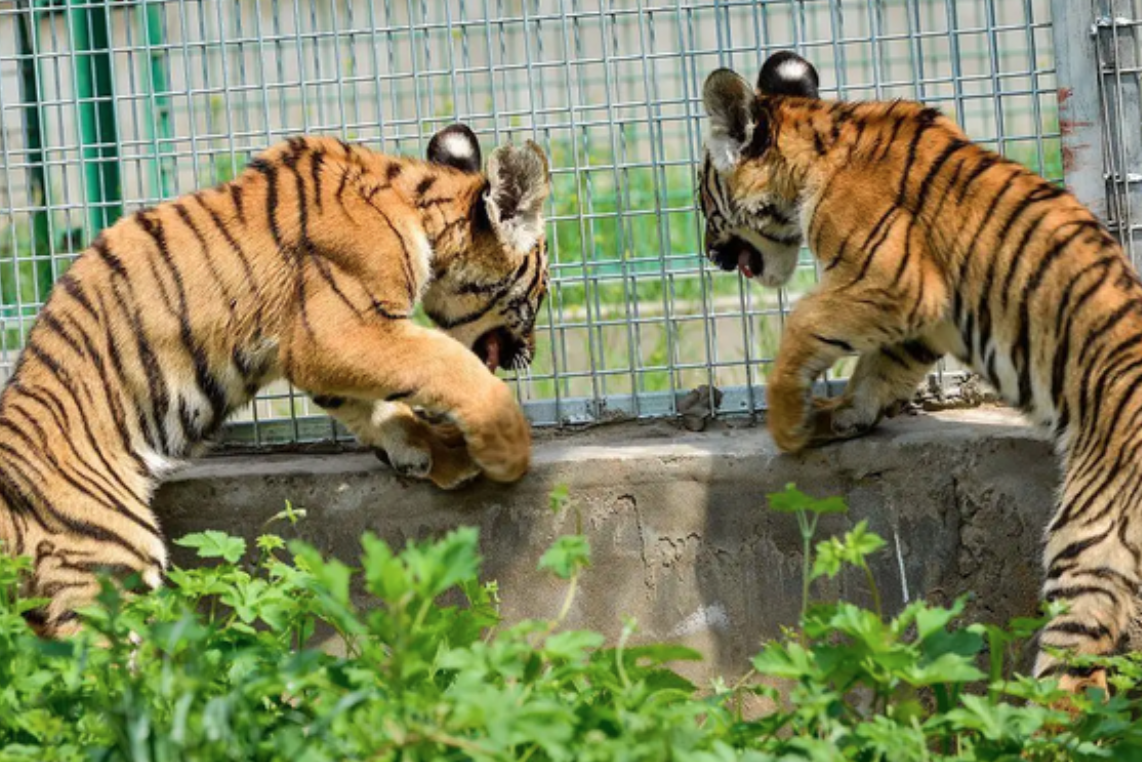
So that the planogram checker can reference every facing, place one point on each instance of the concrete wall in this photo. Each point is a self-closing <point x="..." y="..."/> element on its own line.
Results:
<point x="677" y="521"/>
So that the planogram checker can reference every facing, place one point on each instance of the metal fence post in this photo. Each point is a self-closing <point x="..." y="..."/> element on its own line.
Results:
<point x="1117" y="26"/>
<point x="95" y="98"/>
<point x="27" y="32"/>
<point x="1080" y="127"/>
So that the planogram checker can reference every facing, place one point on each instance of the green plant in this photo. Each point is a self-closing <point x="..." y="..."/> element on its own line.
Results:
<point x="219" y="665"/>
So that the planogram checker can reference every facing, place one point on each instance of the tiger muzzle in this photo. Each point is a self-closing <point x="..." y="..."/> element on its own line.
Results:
<point x="736" y="253"/>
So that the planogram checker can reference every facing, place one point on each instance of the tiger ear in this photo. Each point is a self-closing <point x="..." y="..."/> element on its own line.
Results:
<point x="729" y="102"/>
<point x="518" y="184"/>
<point x="455" y="146"/>
<point x="786" y="73"/>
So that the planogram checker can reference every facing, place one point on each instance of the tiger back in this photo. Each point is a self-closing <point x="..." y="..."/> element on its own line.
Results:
<point x="307" y="266"/>
<point x="929" y="244"/>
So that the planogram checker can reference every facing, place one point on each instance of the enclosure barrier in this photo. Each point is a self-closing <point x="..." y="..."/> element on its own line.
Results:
<point x="106" y="107"/>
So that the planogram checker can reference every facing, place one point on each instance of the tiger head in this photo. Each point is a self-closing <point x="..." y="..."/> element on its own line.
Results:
<point x="746" y="194"/>
<point x="489" y="298"/>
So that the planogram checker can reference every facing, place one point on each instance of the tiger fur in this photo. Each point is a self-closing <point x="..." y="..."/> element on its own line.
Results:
<point x="306" y="266"/>
<point x="928" y="244"/>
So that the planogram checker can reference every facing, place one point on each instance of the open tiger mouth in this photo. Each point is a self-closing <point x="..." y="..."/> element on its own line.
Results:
<point x="499" y="349"/>
<point x="739" y="254"/>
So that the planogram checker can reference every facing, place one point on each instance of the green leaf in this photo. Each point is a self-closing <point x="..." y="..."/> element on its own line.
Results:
<point x="828" y="559"/>
<point x="572" y="645"/>
<point x="214" y="544"/>
<point x="792" y="500"/>
<point x="559" y="498"/>
<point x="566" y="556"/>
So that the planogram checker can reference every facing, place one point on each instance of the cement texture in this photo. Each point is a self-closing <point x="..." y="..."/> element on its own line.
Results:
<point x="681" y="538"/>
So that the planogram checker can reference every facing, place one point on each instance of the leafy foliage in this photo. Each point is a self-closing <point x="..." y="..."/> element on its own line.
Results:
<point x="216" y="666"/>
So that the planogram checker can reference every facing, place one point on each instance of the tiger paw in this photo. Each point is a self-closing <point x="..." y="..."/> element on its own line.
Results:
<point x="1078" y="684"/>
<point x="786" y="417"/>
<point x="499" y="437"/>
<point x="838" y="418"/>
<point x="428" y="451"/>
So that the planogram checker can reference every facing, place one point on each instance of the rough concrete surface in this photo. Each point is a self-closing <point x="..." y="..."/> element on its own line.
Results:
<point x="680" y="535"/>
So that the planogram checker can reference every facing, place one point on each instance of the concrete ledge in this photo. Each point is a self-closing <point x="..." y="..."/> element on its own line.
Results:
<point x="677" y="522"/>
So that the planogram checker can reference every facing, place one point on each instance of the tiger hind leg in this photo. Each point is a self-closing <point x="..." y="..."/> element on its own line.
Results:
<point x="1092" y="567"/>
<point x="70" y="579"/>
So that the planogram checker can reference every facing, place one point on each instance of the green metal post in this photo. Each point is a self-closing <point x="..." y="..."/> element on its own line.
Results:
<point x="90" y="44"/>
<point x="27" y="29"/>
<point x="157" y="79"/>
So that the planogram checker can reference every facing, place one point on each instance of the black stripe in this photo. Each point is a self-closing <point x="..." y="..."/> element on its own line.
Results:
<point x="411" y="286"/>
<point x="1074" y="549"/>
<point x="95" y="489"/>
<point x="387" y="313"/>
<point x="1069" y="310"/>
<point x="316" y="162"/>
<point x="101" y="248"/>
<point x="54" y="407"/>
<point x="72" y="385"/>
<point x="891" y="354"/>
<point x="839" y="343"/>
<point x="1132" y="306"/>
<point x="1021" y="354"/>
<point x="1074" y="591"/>
<point x="208" y="384"/>
<point x="920" y="351"/>
<point x="49" y="321"/>
<point x="271" y="174"/>
<point x="305" y="249"/>
<point x="948" y="188"/>
<point x="40" y="502"/>
<point x="986" y="162"/>
<point x="341" y="188"/>
<point x="424" y="185"/>
<point x="231" y="242"/>
<point x="1095" y="632"/>
<point x="956" y="144"/>
<point x="114" y="388"/>
<point x="236" y="198"/>
<point x="184" y="215"/>
<point x="923" y="122"/>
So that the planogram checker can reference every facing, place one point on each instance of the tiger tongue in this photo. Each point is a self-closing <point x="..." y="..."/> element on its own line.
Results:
<point x="492" y="351"/>
<point x="749" y="264"/>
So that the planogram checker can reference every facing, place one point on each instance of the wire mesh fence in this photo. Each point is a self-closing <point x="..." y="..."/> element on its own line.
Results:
<point x="106" y="107"/>
<point x="1118" y="27"/>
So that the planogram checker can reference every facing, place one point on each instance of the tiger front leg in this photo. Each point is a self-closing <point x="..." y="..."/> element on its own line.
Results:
<point x="822" y="328"/>
<point x="427" y="369"/>
<point x="882" y="378"/>
<point x="410" y="445"/>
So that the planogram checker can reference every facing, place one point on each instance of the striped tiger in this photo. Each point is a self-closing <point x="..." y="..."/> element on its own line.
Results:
<point x="306" y="266"/>
<point x="928" y="244"/>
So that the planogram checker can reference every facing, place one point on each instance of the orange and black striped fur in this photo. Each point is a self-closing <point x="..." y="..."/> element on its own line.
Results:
<point x="307" y="266"/>
<point x="928" y="244"/>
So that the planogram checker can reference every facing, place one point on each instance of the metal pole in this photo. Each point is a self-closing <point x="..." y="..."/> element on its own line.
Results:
<point x="157" y="81"/>
<point x="90" y="43"/>
<point x="1080" y="127"/>
<point x="26" y="33"/>
<point x="1117" y="30"/>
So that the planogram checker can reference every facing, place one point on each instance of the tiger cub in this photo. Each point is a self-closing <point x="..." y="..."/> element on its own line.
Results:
<point x="307" y="266"/>
<point x="928" y="244"/>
